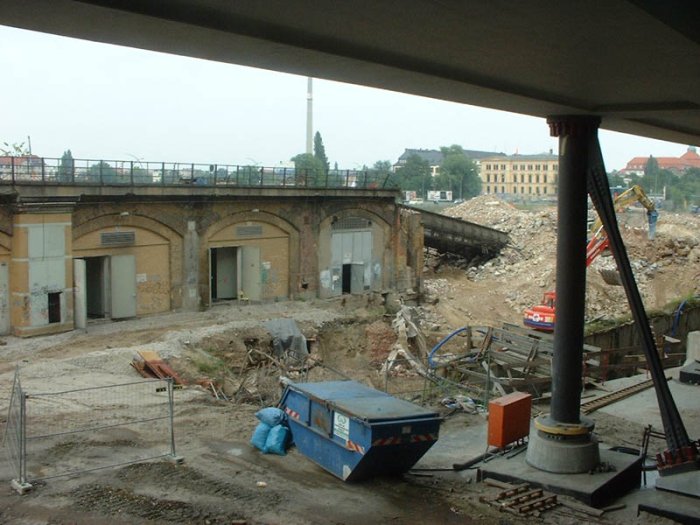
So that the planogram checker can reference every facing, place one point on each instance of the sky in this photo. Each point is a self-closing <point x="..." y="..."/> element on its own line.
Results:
<point x="109" y="102"/>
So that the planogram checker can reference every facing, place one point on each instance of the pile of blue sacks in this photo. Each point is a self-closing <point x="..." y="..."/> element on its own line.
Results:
<point x="271" y="436"/>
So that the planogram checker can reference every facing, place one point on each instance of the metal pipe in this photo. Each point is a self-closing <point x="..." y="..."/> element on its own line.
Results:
<point x="23" y="438"/>
<point x="575" y="134"/>
<point x="171" y="413"/>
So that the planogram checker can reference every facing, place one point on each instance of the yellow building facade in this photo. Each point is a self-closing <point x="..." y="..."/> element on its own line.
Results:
<point x="520" y="176"/>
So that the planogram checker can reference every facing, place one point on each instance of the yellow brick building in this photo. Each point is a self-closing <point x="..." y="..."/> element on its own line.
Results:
<point x="520" y="176"/>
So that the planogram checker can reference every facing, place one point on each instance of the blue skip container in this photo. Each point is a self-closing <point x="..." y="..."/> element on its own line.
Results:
<point x="356" y="432"/>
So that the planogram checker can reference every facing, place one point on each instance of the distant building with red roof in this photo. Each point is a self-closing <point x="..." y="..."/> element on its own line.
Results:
<point x="677" y="165"/>
<point x="26" y="165"/>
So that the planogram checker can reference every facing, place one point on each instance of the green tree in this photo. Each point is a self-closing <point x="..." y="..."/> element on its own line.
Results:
<point x="458" y="173"/>
<point x="685" y="191"/>
<point x="66" y="167"/>
<point x="320" y="152"/>
<point x="382" y="166"/>
<point x="413" y="176"/>
<point x="616" y="180"/>
<point x="651" y="168"/>
<point x="102" y="172"/>
<point x="381" y="174"/>
<point x="309" y="170"/>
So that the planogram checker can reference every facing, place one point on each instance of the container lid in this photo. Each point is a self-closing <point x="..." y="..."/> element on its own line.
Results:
<point x="363" y="402"/>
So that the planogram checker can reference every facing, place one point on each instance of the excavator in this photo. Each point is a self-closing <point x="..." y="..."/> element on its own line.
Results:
<point x="543" y="316"/>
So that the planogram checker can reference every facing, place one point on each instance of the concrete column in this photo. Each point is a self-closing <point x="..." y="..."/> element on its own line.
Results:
<point x="79" y="294"/>
<point x="692" y="352"/>
<point x="190" y="269"/>
<point x="562" y="442"/>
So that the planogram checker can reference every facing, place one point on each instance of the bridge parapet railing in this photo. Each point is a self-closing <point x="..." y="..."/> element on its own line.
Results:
<point x="45" y="170"/>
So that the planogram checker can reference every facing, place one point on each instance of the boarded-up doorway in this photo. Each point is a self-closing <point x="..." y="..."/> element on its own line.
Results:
<point x="351" y="258"/>
<point x="123" y="273"/>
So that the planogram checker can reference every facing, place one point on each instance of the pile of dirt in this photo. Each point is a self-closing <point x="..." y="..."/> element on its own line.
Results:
<point x="666" y="268"/>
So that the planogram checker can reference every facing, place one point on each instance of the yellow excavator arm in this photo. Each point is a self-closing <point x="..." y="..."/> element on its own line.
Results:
<point x="623" y="200"/>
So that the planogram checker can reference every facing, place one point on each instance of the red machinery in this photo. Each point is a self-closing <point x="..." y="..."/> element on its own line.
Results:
<point x="543" y="316"/>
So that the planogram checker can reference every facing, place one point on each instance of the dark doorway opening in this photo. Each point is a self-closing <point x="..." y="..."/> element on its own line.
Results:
<point x="224" y="273"/>
<point x="55" y="307"/>
<point x="347" y="278"/>
<point x="96" y="287"/>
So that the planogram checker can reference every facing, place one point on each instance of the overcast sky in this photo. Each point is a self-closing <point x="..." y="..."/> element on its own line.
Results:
<point x="109" y="102"/>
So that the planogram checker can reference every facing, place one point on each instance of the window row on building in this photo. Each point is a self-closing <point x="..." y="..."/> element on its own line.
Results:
<point x="524" y="190"/>
<point x="522" y="178"/>
<point x="521" y="167"/>
<point x="521" y="175"/>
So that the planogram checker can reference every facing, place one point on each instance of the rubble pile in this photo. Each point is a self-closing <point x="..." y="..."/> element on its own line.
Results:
<point x="526" y="267"/>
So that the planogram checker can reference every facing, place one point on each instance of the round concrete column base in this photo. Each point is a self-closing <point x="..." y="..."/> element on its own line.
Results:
<point x="551" y="453"/>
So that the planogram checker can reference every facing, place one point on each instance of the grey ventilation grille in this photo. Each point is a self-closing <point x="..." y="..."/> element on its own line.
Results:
<point x="351" y="223"/>
<point x="249" y="231"/>
<point x="118" y="238"/>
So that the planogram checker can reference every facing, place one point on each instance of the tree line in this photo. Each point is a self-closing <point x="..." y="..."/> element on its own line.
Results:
<point x="681" y="191"/>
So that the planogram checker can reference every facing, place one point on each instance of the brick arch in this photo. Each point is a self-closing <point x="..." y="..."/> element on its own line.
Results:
<point x="382" y="250"/>
<point x="259" y="216"/>
<point x="110" y="220"/>
<point x="175" y="241"/>
<point x="355" y="212"/>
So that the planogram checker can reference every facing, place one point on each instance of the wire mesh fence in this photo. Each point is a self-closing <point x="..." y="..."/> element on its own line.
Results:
<point x="53" y="434"/>
<point x="13" y="439"/>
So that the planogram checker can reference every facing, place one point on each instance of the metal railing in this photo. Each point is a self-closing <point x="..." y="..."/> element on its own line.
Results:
<point x="53" y="434"/>
<point x="43" y="170"/>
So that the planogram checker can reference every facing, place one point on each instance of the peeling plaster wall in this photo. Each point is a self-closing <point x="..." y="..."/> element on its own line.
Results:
<point x="159" y="247"/>
<point x="332" y="252"/>
<point x="274" y="251"/>
<point x="41" y="265"/>
<point x="5" y="256"/>
<point x="151" y="252"/>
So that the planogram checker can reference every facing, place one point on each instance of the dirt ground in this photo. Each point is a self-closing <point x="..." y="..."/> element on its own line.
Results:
<point x="666" y="268"/>
<point x="219" y="480"/>
<point x="223" y="479"/>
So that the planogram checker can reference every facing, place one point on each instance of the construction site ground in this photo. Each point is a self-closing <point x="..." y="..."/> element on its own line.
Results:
<point x="223" y="479"/>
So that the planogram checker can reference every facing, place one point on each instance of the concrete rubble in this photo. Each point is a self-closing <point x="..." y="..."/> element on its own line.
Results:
<point x="526" y="267"/>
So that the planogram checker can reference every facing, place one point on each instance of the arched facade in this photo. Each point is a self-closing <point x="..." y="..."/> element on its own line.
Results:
<point x="354" y="252"/>
<point x="122" y="252"/>
<point x="249" y="256"/>
<point x="134" y="255"/>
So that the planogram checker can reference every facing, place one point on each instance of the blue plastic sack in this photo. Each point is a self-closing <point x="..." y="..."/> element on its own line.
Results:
<point x="277" y="440"/>
<point x="260" y="435"/>
<point x="270" y="416"/>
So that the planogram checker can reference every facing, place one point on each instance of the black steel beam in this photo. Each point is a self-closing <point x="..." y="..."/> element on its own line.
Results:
<point x="575" y="134"/>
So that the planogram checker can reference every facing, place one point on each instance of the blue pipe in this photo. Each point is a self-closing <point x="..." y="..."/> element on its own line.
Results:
<point x="439" y="345"/>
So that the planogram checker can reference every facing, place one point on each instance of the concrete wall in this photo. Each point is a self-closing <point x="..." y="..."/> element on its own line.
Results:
<point x="5" y="257"/>
<point x="152" y="254"/>
<point x="263" y="231"/>
<point x="378" y="276"/>
<point x="41" y="264"/>
<point x="627" y="335"/>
